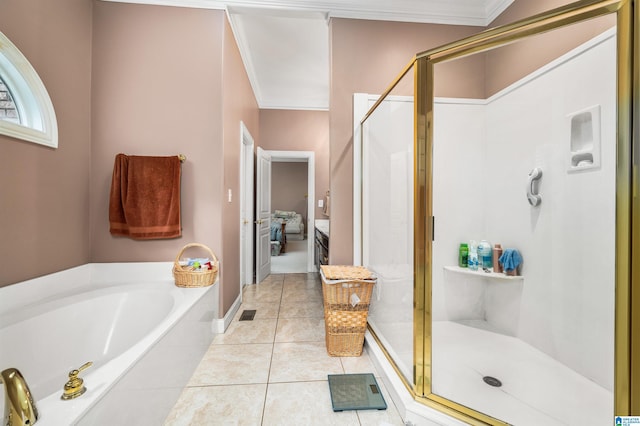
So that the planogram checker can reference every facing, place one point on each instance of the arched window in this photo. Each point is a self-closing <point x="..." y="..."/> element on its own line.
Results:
<point x="26" y="111"/>
<point x="8" y="110"/>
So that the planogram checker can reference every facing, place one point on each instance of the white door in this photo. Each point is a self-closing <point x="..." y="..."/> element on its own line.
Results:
<point x="246" y="207"/>
<point x="263" y="216"/>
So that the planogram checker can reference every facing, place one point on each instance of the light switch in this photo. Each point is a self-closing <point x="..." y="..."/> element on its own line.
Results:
<point x="229" y="194"/>
<point x="320" y="203"/>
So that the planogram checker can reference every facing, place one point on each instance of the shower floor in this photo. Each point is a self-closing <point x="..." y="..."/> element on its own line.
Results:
<point x="536" y="389"/>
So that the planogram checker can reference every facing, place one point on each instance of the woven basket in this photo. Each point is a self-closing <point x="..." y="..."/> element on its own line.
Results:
<point x="185" y="276"/>
<point x="345" y="324"/>
<point x="346" y="272"/>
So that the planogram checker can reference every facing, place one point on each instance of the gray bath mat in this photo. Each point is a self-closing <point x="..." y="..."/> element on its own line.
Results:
<point x="355" y="392"/>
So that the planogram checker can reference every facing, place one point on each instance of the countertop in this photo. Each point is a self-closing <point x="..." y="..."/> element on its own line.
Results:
<point x="322" y="225"/>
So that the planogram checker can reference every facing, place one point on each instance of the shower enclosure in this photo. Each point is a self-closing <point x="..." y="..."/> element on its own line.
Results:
<point x="472" y="143"/>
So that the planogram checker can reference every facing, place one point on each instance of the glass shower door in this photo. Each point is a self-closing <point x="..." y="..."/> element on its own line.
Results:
<point x="387" y="223"/>
<point x="536" y="163"/>
<point x="530" y="172"/>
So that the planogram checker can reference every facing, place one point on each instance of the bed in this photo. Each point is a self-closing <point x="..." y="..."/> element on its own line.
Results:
<point x="293" y="221"/>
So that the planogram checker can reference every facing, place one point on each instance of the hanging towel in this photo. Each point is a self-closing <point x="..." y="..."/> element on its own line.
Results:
<point x="145" y="197"/>
<point x="510" y="260"/>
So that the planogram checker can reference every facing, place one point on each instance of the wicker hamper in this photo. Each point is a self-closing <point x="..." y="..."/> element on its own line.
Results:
<point x="346" y="292"/>
<point x="186" y="277"/>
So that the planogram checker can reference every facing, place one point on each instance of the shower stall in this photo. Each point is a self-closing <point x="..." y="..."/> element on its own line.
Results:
<point x="470" y="144"/>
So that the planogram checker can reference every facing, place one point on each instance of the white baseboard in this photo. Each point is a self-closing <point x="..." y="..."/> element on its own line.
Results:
<point x="220" y="325"/>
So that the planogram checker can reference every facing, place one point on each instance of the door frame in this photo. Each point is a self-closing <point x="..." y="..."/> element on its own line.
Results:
<point x="309" y="158"/>
<point x="246" y="206"/>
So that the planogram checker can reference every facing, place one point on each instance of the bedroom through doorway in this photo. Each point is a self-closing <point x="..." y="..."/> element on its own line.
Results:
<point x="292" y="183"/>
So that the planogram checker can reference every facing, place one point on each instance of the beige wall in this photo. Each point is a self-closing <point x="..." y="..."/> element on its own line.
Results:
<point x="170" y="80"/>
<point x="289" y="187"/>
<point x="44" y="192"/>
<point x="510" y="63"/>
<point x="239" y="104"/>
<point x="287" y="130"/>
<point x="156" y="92"/>
<point x="158" y="78"/>
<point x="365" y="57"/>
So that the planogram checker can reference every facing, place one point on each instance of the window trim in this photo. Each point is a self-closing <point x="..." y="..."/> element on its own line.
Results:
<point x="37" y="116"/>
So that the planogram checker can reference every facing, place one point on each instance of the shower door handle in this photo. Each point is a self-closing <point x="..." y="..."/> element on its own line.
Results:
<point x="534" y="198"/>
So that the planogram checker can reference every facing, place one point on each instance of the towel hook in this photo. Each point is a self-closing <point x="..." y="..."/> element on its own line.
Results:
<point x="534" y="198"/>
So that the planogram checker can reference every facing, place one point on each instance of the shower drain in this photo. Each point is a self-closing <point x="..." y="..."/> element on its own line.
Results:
<point x="492" y="381"/>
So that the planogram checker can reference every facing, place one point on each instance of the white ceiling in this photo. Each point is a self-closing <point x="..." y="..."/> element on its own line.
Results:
<point x="285" y="43"/>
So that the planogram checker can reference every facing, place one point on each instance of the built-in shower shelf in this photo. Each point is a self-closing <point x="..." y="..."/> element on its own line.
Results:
<point x="481" y="273"/>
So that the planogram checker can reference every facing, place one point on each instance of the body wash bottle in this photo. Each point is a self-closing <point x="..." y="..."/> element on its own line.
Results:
<point x="497" y="252"/>
<point x="485" y="255"/>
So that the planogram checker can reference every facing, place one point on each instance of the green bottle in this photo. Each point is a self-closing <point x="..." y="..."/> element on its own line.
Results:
<point x="463" y="255"/>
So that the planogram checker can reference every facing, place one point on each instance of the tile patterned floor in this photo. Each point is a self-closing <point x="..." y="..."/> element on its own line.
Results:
<point x="273" y="370"/>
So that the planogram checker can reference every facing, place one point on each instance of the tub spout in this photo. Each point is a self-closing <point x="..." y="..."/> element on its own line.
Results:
<point x="19" y="407"/>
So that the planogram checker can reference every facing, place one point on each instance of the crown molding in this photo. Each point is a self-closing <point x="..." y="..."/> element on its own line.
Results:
<point x="461" y="12"/>
<point x="478" y="13"/>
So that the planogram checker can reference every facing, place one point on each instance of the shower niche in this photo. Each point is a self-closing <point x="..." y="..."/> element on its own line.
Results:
<point x="584" y="143"/>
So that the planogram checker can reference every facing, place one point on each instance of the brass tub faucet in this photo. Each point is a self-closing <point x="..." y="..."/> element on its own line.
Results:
<point x="19" y="407"/>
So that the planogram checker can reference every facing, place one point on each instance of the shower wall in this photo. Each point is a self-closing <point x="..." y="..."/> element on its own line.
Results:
<point x="483" y="152"/>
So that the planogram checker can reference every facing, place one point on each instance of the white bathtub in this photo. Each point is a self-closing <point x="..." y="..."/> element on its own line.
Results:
<point x="110" y="314"/>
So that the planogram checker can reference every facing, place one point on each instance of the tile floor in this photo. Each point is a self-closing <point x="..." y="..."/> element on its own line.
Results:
<point x="273" y="370"/>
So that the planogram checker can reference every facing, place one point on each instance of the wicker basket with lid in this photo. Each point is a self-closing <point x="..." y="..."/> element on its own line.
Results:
<point x="346" y="292"/>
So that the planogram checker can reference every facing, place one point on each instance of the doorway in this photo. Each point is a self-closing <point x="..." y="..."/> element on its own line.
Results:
<point x="290" y="196"/>
<point x="246" y="207"/>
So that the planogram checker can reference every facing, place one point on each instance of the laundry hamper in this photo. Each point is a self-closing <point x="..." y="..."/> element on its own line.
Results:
<point x="346" y="294"/>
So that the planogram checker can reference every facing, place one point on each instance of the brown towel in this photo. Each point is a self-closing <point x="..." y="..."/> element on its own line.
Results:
<point x="145" y="197"/>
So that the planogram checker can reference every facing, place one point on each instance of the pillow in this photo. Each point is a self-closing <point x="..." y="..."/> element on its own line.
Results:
<point x="283" y="214"/>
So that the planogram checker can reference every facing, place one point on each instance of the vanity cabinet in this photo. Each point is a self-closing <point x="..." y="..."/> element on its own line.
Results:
<point x="321" y="252"/>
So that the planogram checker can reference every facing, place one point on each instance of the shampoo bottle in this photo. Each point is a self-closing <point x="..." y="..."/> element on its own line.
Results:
<point x="473" y="255"/>
<point x="463" y="255"/>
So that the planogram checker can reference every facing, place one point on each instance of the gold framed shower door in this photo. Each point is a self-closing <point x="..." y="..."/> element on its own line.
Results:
<point x="627" y="228"/>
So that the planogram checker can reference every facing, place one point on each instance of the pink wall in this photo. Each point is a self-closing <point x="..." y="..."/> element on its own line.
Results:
<point x="169" y="80"/>
<point x="239" y="104"/>
<point x="165" y="80"/>
<point x="44" y="192"/>
<point x="156" y="92"/>
<point x="366" y="56"/>
<point x="287" y="130"/>
<point x="289" y="187"/>
<point x="510" y="63"/>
